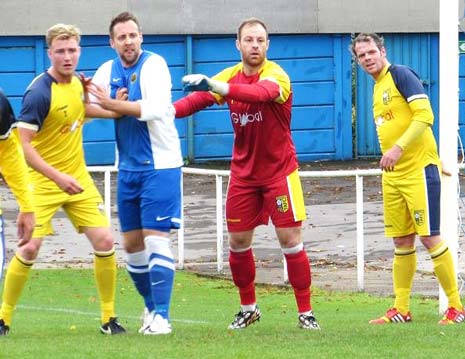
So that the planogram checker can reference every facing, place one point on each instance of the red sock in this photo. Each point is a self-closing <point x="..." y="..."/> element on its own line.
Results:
<point x="298" y="270"/>
<point x="243" y="273"/>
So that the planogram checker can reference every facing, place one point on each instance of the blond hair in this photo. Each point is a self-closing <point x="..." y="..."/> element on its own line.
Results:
<point x="62" y="32"/>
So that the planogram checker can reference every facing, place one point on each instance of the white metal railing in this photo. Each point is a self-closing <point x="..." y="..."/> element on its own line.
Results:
<point x="359" y="174"/>
<point x="360" y="234"/>
<point x="107" y="170"/>
<point x="219" y="174"/>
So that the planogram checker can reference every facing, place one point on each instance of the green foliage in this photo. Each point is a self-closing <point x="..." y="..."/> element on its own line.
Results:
<point x="58" y="318"/>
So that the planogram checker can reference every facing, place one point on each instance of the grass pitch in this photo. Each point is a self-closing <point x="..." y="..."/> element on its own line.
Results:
<point x="58" y="317"/>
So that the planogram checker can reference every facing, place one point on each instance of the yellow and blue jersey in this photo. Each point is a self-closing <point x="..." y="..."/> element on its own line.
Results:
<point x="57" y="112"/>
<point x="12" y="164"/>
<point x="398" y="99"/>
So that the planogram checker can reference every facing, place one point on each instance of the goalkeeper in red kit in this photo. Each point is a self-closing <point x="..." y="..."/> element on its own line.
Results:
<point x="264" y="181"/>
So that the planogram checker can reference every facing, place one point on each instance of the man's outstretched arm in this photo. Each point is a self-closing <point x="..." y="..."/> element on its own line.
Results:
<point x="265" y="90"/>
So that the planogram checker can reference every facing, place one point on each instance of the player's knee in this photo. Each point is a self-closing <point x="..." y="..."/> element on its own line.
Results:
<point x="159" y="245"/>
<point x="240" y="240"/>
<point x="407" y="241"/>
<point x="105" y="242"/>
<point x="289" y="237"/>
<point x="133" y="247"/>
<point x="30" y="250"/>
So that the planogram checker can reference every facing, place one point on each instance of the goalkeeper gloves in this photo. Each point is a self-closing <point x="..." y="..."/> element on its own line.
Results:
<point x="199" y="82"/>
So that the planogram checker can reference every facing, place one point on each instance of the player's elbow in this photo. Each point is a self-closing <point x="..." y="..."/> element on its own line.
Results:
<point x="152" y="112"/>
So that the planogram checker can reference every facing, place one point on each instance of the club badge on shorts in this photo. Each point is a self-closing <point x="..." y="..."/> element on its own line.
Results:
<point x="419" y="216"/>
<point x="282" y="203"/>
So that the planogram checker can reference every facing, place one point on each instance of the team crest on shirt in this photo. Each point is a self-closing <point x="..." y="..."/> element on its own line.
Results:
<point x="387" y="96"/>
<point x="282" y="204"/>
<point x="133" y="77"/>
<point x="419" y="216"/>
<point x="64" y="110"/>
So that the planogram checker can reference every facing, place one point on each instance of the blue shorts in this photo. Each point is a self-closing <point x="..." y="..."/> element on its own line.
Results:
<point x="149" y="199"/>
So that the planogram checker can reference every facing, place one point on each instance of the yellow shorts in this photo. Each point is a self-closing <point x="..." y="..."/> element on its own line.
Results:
<point x="85" y="209"/>
<point x="412" y="204"/>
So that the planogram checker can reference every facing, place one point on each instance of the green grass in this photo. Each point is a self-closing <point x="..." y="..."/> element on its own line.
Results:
<point x="58" y="318"/>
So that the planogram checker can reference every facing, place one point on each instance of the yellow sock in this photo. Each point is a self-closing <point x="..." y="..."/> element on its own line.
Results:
<point x="404" y="266"/>
<point x="105" y="277"/>
<point x="15" y="279"/>
<point x="443" y="265"/>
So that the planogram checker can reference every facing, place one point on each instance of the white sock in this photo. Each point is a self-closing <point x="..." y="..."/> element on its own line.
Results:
<point x="248" y="307"/>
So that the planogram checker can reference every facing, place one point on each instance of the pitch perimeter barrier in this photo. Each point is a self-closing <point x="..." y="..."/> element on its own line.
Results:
<point x="359" y="174"/>
<point x="219" y="174"/>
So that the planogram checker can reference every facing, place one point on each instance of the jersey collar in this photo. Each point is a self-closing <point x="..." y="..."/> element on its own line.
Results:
<point x="383" y="72"/>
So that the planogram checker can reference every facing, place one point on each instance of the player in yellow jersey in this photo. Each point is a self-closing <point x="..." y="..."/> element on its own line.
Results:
<point x="50" y="128"/>
<point x="14" y="170"/>
<point x="411" y="178"/>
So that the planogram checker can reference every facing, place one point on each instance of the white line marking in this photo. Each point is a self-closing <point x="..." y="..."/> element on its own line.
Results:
<point x="93" y="314"/>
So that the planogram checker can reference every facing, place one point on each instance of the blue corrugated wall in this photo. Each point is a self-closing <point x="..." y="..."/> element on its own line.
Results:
<point x="319" y="67"/>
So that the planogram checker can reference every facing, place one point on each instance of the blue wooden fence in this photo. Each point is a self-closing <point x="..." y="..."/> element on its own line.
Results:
<point x="319" y="67"/>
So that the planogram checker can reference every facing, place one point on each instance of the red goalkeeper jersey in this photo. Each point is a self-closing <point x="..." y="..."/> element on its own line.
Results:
<point x="260" y="112"/>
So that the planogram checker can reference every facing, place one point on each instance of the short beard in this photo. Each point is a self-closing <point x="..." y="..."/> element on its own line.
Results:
<point x="255" y="63"/>
<point x="133" y="59"/>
